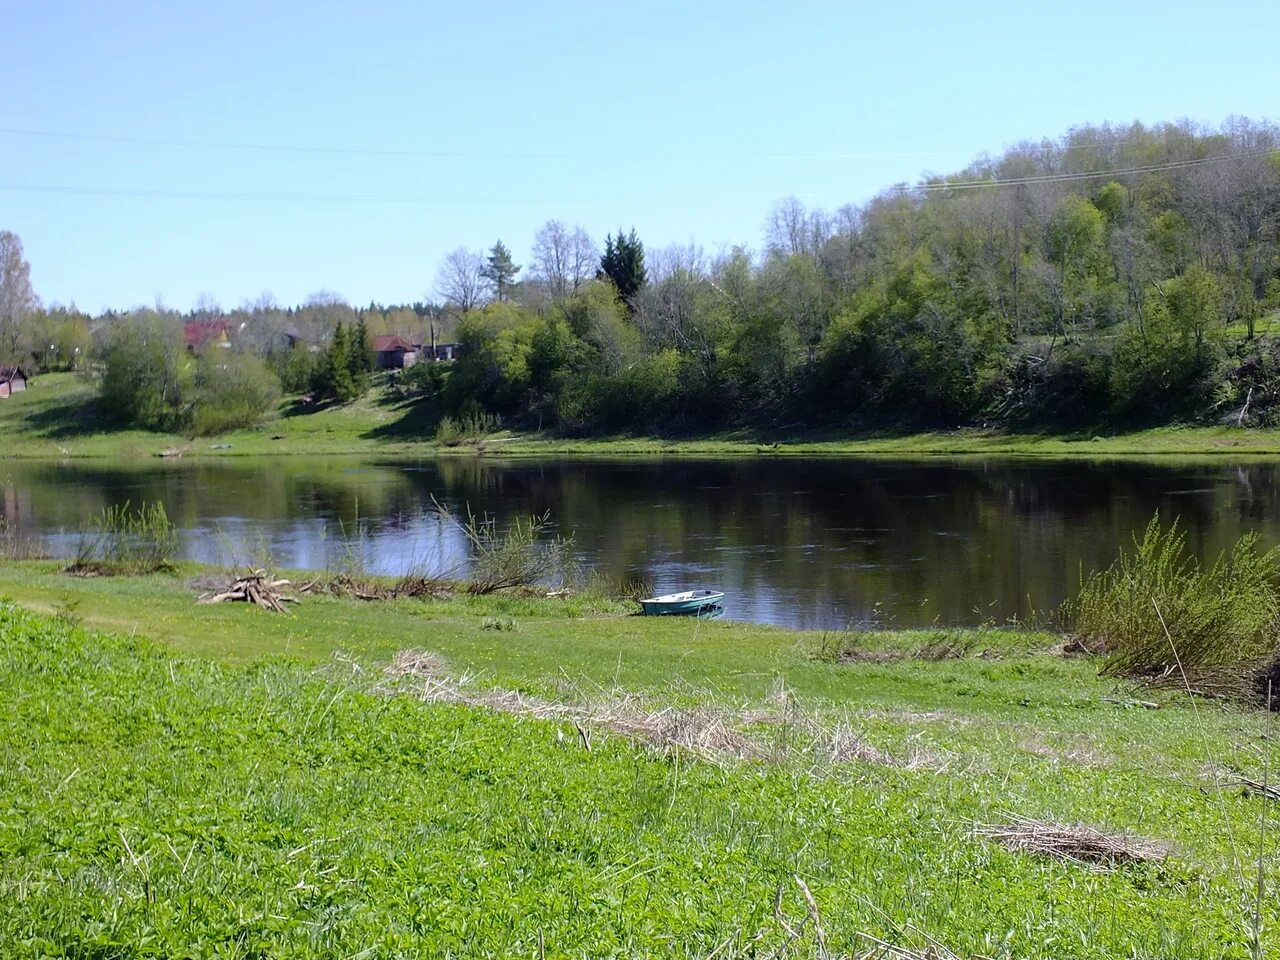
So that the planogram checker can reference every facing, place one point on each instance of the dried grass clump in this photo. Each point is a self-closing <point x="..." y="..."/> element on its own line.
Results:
<point x="16" y="546"/>
<point x="712" y="734"/>
<point x="1073" y="844"/>
<point x="883" y="950"/>
<point x="855" y="646"/>
<point x="255" y="587"/>
<point x="1159" y="616"/>
<point x="412" y="586"/>
<point x="417" y="663"/>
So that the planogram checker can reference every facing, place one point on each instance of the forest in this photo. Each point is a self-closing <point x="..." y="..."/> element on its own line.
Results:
<point x="1117" y="276"/>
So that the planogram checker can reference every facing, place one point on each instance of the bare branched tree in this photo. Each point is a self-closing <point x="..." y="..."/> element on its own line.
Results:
<point x="563" y="258"/>
<point x="460" y="281"/>
<point x="17" y="300"/>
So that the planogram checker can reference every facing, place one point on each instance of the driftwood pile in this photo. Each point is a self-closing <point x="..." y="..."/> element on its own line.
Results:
<point x="255" y="587"/>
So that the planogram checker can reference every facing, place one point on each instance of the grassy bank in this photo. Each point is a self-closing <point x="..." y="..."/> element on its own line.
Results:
<point x="56" y="418"/>
<point x="210" y="781"/>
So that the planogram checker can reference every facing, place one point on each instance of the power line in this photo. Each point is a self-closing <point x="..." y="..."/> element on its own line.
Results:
<point x="481" y="154"/>
<point x="287" y="197"/>
<point x="935" y="187"/>
<point x="283" y="148"/>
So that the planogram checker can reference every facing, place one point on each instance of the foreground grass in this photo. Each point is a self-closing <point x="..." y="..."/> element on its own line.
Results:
<point x="56" y="418"/>
<point x="208" y="781"/>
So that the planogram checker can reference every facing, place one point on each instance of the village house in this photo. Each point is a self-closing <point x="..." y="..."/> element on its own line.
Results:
<point x="12" y="380"/>
<point x="392" y="352"/>
<point x="197" y="334"/>
<point x="440" y="351"/>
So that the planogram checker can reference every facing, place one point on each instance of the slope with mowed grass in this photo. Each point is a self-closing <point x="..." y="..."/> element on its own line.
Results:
<point x="237" y="790"/>
<point x="57" y="417"/>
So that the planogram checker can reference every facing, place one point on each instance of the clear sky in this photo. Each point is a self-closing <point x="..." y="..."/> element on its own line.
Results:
<point x="483" y="120"/>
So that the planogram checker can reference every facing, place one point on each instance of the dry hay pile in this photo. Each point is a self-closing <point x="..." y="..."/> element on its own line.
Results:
<point x="709" y="733"/>
<point x="255" y="587"/>
<point x="1073" y="844"/>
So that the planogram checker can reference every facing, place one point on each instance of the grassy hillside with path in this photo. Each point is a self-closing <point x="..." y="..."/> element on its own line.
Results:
<point x="222" y="781"/>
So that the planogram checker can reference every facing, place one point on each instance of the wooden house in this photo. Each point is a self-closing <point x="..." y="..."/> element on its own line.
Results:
<point x="12" y="380"/>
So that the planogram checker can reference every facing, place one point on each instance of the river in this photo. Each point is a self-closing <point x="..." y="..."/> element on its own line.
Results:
<point x="816" y="543"/>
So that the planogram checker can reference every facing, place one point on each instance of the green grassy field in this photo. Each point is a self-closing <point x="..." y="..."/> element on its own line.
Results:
<point x="56" y="418"/>
<point x="221" y="781"/>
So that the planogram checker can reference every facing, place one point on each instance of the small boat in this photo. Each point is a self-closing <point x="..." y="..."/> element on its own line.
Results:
<point x="691" y="601"/>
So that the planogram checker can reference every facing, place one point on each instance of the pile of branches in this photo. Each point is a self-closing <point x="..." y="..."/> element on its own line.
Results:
<point x="255" y="587"/>
<point x="1073" y="844"/>
<point x="413" y="586"/>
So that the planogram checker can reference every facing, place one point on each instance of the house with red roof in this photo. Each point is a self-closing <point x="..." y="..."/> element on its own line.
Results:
<point x="198" y="334"/>
<point x="392" y="351"/>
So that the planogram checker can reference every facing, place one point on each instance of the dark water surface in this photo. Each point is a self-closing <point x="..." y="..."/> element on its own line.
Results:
<point x="813" y="543"/>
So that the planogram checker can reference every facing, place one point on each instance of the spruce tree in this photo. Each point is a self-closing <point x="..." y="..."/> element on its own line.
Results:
<point x="623" y="264"/>
<point x="500" y="270"/>
<point x="361" y="350"/>
<point x="332" y="379"/>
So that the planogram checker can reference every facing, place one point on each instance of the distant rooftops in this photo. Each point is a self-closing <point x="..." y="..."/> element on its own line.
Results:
<point x="392" y="342"/>
<point x="196" y="333"/>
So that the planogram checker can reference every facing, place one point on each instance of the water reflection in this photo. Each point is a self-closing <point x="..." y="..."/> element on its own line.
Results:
<point x="812" y="543"/>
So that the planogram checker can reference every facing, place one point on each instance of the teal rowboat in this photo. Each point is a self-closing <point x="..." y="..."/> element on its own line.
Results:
<point x="691" y="601"/>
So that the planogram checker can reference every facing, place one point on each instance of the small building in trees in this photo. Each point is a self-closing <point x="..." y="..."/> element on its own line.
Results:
<point x="392" y="352"/>
<point x="439" y="351"/>
<point x="12" y="380"/>
<point x="198" y="334"/>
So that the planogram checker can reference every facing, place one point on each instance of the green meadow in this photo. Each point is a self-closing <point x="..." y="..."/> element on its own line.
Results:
<point x="57" y="418"/>
<point x="568" y="779"/>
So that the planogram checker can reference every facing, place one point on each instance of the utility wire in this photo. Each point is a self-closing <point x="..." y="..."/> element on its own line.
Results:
<point x="938" y="186"/>
<point x="480" y="154"/>
<point x="283" y="147"/>
<point x="287" y="197"/>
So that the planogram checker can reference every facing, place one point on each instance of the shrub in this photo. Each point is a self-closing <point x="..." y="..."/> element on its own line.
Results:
<point x="294" y="368"/>
<point x="146" y="378"/>
<point x="1070" y="386"/>
<point x="1157" y="612"/>
<point x="232" y="391"/>
<point x="526" y="554"/>
<point x="120" y="541"/>
<point x="468" y="427"/>
<point x="424" y="380"/>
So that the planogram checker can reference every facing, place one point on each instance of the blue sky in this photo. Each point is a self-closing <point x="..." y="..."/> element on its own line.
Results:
<point x="684" y="120"/>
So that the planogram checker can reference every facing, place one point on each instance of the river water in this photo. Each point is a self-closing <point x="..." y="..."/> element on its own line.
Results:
<point x="816" y="543"/>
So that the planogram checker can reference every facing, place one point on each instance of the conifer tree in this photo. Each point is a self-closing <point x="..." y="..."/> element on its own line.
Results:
<point x="623" y="264"/>
<point x="360" y="351"/>
<point x="332" y="379"/>
<point x="500" y="270"/>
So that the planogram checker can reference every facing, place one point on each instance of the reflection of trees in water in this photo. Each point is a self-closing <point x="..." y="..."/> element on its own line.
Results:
<point x="930" y="539"/>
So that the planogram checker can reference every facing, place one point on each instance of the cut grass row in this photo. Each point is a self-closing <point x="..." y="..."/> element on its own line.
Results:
<point x="55" y="418"/>
<point x="210" y="782"/>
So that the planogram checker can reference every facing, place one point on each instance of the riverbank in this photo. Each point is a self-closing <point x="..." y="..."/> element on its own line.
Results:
<point x="55" y="419"/>
<point x="555" y="776"/>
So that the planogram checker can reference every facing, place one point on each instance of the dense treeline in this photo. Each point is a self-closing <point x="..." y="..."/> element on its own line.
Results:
<point x="1120" y="275"/>
<point x="1115" y="276"/>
